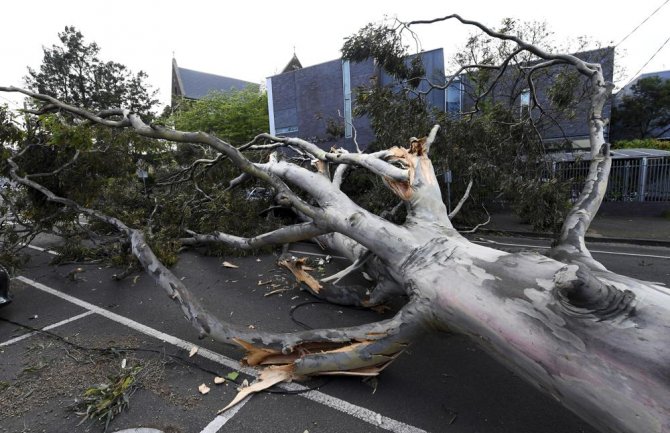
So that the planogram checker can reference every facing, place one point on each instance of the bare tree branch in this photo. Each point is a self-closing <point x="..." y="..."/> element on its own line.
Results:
<point x="56" y="171"/>
<point x="371" y="161"/>
<point x="462" y="201"/>
<point x="283" y="235"/>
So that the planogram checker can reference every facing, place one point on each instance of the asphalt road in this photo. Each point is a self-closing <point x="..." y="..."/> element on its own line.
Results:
<point x="443" y="383"/>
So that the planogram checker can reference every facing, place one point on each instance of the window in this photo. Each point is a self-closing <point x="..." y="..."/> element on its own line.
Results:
<point x="346" y="89"/>
<point x="454" y="100"/>
<point x="287" y="129"/>
<point x="525" y="101"/>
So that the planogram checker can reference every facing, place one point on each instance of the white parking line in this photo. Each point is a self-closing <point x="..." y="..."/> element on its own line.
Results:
<point x="317" y="254"/>
<point x="222" y="419"/>
<point x="543" y="247"/>
<point x="361" y="413"/>
<point x="46" y="328"/>
<point x="44" y="250"/>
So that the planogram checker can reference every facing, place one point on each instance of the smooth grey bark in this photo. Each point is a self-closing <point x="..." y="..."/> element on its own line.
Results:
<point x="596" y="341"/>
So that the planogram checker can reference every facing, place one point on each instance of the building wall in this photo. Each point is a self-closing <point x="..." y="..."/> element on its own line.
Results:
<point x="433" y="63"/>
<point x="557" y="125"/>
<point x="305" y="100"/>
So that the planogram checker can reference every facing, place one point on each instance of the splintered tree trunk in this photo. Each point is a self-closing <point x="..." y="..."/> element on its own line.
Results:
<point x="596" y="341"/>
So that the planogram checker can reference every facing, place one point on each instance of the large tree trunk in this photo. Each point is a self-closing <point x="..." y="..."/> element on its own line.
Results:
<point x="596" y="341"/>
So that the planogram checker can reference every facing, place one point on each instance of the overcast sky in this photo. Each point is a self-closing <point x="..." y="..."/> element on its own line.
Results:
<point x="253" y="39"/>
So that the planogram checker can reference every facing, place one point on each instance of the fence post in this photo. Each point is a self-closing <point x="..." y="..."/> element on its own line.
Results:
<point x="642" y="179"/>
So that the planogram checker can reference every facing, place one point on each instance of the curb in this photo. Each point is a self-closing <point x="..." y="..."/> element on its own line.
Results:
<point x="593" y="239"/>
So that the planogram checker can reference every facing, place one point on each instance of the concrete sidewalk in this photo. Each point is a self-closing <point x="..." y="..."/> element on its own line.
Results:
<point x="642" y="230"/>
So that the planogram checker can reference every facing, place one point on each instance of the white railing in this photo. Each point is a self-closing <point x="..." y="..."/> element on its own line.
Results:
<point x="645" y="179"/>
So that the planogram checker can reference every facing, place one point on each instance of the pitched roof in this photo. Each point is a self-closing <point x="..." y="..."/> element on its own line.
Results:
<point x="293" y="64"/>
<point x="627" y="90"/>
<point x="196" y="84"/>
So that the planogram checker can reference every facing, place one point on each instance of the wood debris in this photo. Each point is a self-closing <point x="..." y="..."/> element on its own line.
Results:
<point x="274" y="292"/>
<point x="268" y="377"/>
<point x="297" y="268"/>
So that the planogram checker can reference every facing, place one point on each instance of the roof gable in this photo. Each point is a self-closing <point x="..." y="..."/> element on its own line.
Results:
<point x="293" y="64"/>
<point x="196" y="84"/>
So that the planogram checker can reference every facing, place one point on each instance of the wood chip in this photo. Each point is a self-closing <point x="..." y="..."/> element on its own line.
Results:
<point x="204" y="389"/>
<point x="297" y="269"/>
<point x="274" y="292"/>
<point x="268" y="377"/>
<point x="229" y="265"/>
<point x="193" y="351"/>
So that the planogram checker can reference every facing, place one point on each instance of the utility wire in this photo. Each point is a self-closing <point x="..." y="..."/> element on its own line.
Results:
<point x="163" y="353"/>
<point x="640" y="25"/>
<point x="647" y="62"/>
<point x="18" y="105"/>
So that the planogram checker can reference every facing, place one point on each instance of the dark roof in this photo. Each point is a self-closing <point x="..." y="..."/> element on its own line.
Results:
<point x="198" y="84"/>
<point x="293" y="64"/>
<point x="628" y="88"/>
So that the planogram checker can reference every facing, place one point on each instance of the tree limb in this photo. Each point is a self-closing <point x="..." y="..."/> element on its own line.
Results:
<point x="371" y="161"/>
<point x="283" y="235"/>
<point x="462" y="201"/>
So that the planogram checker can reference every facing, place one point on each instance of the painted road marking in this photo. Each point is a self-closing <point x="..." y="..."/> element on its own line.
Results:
<point x="222" y="419"/>
<point x="46" y="328"/>
<point x="44" y="250"/>
<point x="615" y="253"/>
<point x="317" y="254"/>
<point x="361" y="413"/>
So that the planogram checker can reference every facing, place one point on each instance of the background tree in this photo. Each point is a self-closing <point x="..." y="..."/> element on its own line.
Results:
<point x="645" y="113"/>
<point x="235" y="116"/>
<point x="83" y="161"/>
<point x="201" y="191"/>
<point x="73" y="73"/>
<point x="144" y="182"/>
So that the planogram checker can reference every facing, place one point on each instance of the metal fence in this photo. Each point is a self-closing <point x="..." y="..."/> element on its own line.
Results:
<point x="644" y="179"/>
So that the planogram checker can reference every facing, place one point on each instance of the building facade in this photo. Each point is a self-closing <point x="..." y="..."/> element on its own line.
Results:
<point x="311" y="101"/>
<point x="316" y="102"/>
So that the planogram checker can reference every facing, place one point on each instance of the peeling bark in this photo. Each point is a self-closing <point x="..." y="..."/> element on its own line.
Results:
<point x="596" y="341"/>
<point x="296" y="266"/>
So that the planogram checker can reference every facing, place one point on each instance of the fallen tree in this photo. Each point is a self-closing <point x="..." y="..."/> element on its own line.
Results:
<point x="595" y="340"/>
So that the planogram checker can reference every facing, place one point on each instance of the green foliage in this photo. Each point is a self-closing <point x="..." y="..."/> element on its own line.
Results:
<point x="542" y="203"/>
<point x="77" y="160"/>
<point x="642" y="143"/>
<point x="562" y="90"/>
<point x="498" y="150"/>
<point x="369" y="192"/>
<point x="499" y="153"/>
<point x="235" y="116"/>
<point x="73" y="73"/>
<point x="104" y="401"/>
<point x="645" y="113"/>
<point x="334" y="128"/>
<point x="481" y="49"/>
<point x="385" y="45"/>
